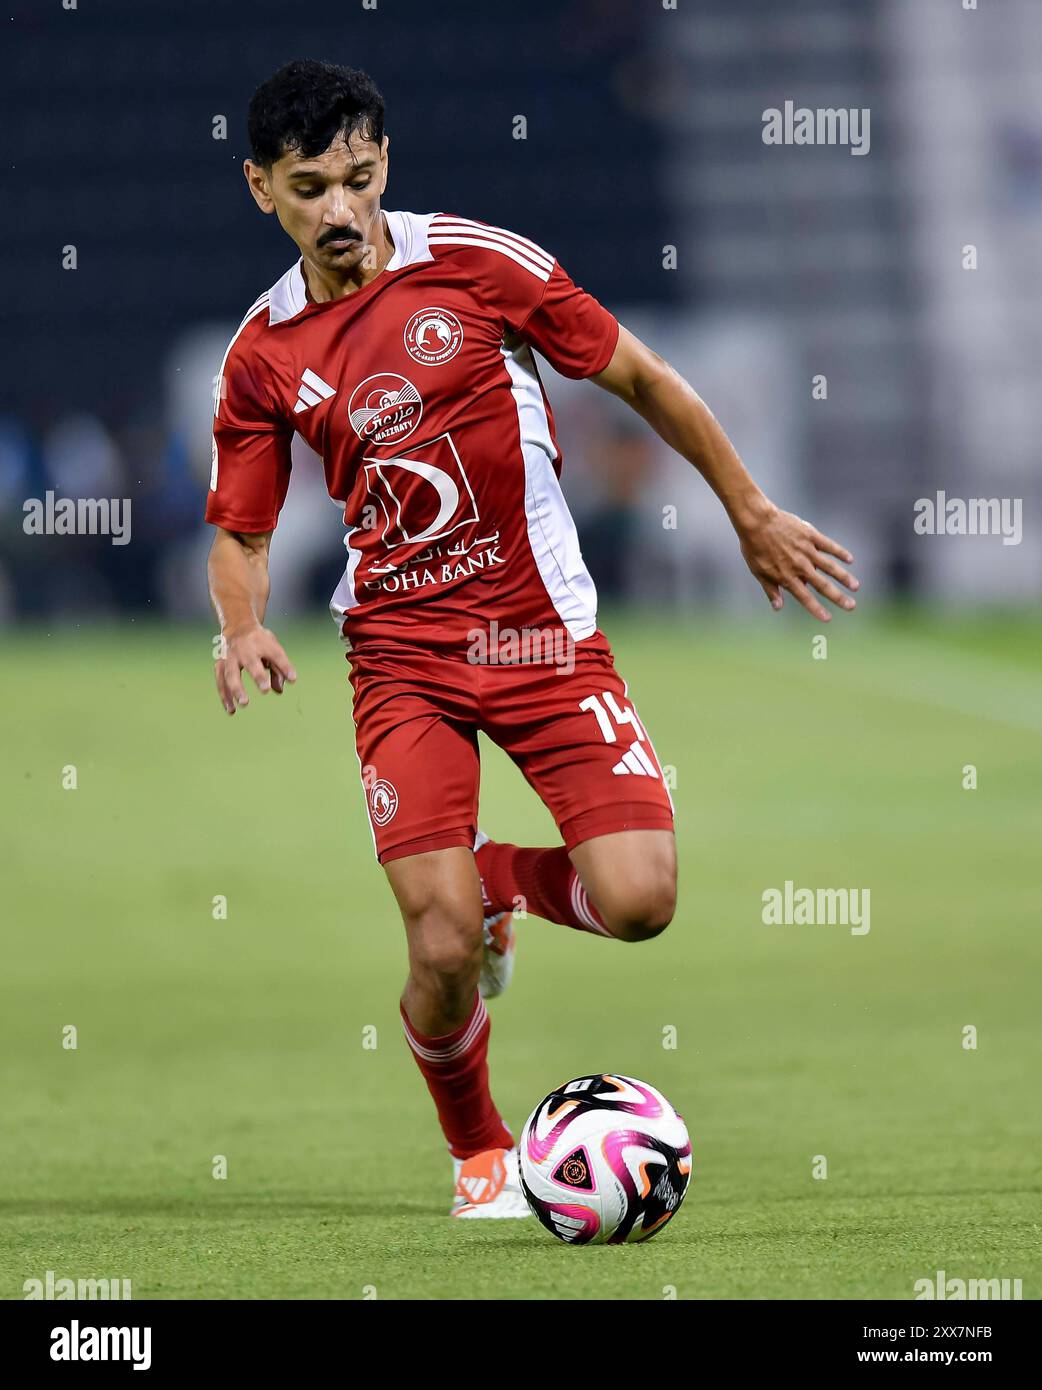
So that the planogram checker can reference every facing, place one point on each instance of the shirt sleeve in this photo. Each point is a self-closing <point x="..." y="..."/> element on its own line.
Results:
<point x="532" y="294"/>
<point x="251" y="449"/>
<point x="572" y="330"/>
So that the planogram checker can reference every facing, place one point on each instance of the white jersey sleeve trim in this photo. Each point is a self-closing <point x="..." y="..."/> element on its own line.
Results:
<point x="460" y="231"/>
<point x="445" y="225"/>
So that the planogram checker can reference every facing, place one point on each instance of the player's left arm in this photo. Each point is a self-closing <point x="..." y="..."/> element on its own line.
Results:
<point x="782" y="550"/>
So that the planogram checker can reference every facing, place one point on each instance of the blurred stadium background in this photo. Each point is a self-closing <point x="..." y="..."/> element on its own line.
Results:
<point x="644" y="132"/>
<point x="241" y="1037"/>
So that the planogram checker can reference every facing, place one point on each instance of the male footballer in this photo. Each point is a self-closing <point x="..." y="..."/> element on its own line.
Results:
<point x="401" y="346"/>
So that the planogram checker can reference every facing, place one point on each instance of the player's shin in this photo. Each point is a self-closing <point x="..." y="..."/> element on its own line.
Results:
<point x="455" y="1067"/>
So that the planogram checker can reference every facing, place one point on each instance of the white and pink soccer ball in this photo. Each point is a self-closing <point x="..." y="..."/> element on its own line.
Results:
<point x="605" y="1159"/>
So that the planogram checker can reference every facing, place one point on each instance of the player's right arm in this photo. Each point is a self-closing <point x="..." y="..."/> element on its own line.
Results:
<point x="237" y="571"/>
<point x="248" y="483"/>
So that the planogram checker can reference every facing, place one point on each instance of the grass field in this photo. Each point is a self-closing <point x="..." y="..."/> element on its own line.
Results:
<point x="243" y="1037"/>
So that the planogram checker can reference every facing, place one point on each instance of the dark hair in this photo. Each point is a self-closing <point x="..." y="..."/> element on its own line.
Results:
<point x="306" y="104"/>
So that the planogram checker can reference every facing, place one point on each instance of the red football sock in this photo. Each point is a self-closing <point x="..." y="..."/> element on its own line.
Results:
<point x="545" y="879"/>
<point x="455" y="1068"/>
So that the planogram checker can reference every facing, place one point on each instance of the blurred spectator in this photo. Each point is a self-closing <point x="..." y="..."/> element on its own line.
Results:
<point x="625" y="464"/>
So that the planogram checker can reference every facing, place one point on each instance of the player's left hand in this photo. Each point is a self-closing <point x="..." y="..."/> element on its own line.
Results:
<point x="785" y="552"/>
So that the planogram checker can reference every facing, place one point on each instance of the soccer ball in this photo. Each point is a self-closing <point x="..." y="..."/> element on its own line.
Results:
<point x="604" y="1159"/>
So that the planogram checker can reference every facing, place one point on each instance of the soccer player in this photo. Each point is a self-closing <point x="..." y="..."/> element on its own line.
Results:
<point x="401" y="346"/>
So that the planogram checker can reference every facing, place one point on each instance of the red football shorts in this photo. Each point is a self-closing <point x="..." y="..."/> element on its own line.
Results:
<point x="574" y="734"/>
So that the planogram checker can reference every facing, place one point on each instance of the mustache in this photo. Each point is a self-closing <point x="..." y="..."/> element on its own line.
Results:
<point x="339" y="234"/>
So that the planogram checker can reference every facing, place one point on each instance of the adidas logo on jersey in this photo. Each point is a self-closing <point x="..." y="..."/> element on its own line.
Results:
<point x="635" y="761"/>
<point x="312" y="391"/>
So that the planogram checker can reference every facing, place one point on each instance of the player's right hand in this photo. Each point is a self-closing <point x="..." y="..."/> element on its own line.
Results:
<point x="257" y="651"/>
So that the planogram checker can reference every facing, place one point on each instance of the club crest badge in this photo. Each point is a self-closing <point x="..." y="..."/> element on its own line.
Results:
<point x="433" y="336"/>
<point x="383" y="801"/>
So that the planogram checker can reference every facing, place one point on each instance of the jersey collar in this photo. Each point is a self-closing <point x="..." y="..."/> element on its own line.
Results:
<point x="288" y="296"/>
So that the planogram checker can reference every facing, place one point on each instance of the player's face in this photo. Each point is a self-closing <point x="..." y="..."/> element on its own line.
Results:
<point x="330" y="203"/>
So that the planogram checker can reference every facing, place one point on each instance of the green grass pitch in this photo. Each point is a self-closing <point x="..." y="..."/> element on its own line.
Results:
<point x="243" y="1037"/>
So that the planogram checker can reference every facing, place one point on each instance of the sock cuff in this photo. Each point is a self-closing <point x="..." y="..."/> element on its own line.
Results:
<point x="583" y="908"/>
<point x="450" y="1045"/>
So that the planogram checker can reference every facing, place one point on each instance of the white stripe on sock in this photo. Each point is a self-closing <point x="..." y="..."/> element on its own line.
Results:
<point x="457" y="1049"/>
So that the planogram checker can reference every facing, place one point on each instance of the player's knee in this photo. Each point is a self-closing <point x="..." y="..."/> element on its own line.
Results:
<point x="444" y="951"/>
<point x="643" y="911"/>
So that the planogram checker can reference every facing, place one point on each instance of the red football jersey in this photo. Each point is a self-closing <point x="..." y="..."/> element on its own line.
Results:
<point x="421" y="395"/>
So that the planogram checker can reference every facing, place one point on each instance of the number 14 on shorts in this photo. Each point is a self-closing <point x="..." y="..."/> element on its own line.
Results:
<point x="594" y="704"/>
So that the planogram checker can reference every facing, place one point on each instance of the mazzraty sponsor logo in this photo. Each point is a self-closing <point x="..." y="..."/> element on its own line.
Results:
<point x="81" y="516"/>
<point x="942" y="515"/>
<point x="51" y="1288"/>
<point x="792" y="906"/>
<point x="824" y="125"/>
<point x="940" y="1287"/>
<point x="78" y="1343"/>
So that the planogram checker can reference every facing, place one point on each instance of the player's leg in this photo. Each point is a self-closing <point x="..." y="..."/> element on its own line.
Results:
<point x="437" y="894"/>
<point x="588" y="756"/>
<point x="620" y="884"/>
<point x="418" y="752"/>
<point x="447" y="1025"/>
<point x="631" y="876"/>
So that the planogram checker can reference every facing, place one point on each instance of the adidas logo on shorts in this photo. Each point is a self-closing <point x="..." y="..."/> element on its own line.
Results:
<point x="635" y="761"/>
